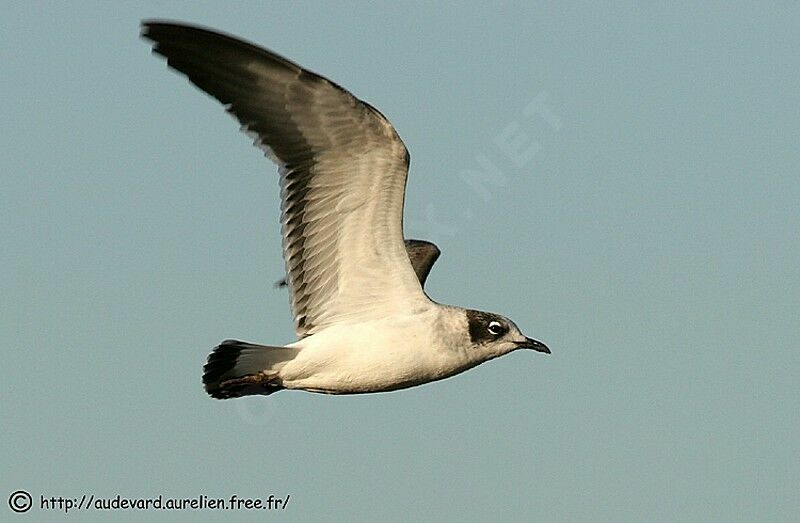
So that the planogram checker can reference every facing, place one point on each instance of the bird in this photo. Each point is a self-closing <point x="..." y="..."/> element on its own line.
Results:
<point x="364" y="322"/>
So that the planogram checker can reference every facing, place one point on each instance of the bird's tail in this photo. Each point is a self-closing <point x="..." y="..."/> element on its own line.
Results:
<point x="237" y="368"/>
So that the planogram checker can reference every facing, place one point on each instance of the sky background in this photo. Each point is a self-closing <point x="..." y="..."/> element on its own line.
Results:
<point x="623" y="181"/>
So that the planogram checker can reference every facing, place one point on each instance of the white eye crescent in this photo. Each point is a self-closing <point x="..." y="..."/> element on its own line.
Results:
<point x="495" y="328"/>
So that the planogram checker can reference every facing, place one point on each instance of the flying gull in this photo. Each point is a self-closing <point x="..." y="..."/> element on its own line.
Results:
<point x="363" y="321"/>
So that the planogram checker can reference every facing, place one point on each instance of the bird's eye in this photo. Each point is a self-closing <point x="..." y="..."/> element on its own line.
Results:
<point x="495" y="328"/>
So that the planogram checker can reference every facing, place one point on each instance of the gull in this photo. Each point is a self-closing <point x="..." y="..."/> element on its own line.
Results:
<point x="363" y="320"/>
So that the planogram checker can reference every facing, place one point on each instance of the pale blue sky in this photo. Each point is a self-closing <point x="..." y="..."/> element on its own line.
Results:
<point x="647" y="232"/>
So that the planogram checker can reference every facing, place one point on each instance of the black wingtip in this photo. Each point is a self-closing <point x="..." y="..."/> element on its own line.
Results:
<point x="150" y="25"/>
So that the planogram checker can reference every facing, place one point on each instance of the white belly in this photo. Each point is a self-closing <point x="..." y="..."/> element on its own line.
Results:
<point x="378" y="356"/>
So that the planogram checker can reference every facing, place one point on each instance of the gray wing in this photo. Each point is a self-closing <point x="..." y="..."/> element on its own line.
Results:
<point x="421" y="254"/>
<point x="342" y="168"/>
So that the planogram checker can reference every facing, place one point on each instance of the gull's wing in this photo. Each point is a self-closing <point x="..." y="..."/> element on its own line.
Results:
<point x="421" y="254"/>
<point x="342" y="172"/>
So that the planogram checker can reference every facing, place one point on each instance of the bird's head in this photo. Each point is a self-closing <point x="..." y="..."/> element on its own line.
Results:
<point x="497" y="335"/>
